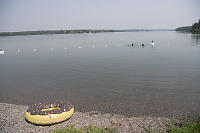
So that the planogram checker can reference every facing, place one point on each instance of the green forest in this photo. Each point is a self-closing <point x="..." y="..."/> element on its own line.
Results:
<point x="195" y="28"/>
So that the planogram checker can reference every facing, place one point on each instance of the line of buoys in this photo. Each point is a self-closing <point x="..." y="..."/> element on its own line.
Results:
<point x="52" y="49"/>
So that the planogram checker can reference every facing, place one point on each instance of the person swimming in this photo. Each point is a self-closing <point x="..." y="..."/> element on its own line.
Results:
<point x="131" y="44"/>
<point x="152" y="43"/>
<point x="1" y="52"/>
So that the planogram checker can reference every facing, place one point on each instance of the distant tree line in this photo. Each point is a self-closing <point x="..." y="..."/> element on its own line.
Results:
<point x="51" y="32"/>
<point x="72" y="31"/>
<point x="184" y="29"/>
<point x="196" y="27"/>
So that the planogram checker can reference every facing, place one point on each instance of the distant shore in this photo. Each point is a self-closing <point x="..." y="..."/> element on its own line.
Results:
<point x="13" y="120"/>
<point x="194" y="29"/>
<point x="40" y="32"/>
<point x="184" y="29"/>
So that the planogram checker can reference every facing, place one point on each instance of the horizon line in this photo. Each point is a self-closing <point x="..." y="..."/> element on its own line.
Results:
<point x="84" y="29"/>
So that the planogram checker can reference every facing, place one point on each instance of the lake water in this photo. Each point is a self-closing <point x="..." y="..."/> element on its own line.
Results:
<point x="101" y="72"/>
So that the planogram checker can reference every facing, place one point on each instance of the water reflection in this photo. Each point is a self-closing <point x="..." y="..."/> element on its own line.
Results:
<point x="196" y="39"/>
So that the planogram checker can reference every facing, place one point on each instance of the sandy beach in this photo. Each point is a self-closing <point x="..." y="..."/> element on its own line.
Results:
<point x="13" y="120"/>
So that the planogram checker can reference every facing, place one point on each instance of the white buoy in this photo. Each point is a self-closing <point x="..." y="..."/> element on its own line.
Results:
<point x="65" y="48"/>
<point x="79" y="47"/>
<point x="18" y="51"/>
<point x="35" y="50"/>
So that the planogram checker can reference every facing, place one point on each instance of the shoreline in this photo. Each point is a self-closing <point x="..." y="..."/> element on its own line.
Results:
<point x="51" y="32"/>
<point x="13" y="120"/>
<point x="167" y="109"/>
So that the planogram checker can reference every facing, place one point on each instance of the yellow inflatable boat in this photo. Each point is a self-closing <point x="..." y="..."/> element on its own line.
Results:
<point x="49" y="113"/>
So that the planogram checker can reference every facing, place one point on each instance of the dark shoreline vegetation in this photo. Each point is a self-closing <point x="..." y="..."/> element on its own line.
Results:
<point x="194" y="29"/>
<point x="73" y="31"/>
<point x="184" y="29"/>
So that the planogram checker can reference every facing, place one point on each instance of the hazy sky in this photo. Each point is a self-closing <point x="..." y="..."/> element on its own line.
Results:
<point x="18" y="15"/>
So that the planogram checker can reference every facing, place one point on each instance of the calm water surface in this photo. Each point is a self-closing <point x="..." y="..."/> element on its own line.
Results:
<point x="101" y="72"/>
